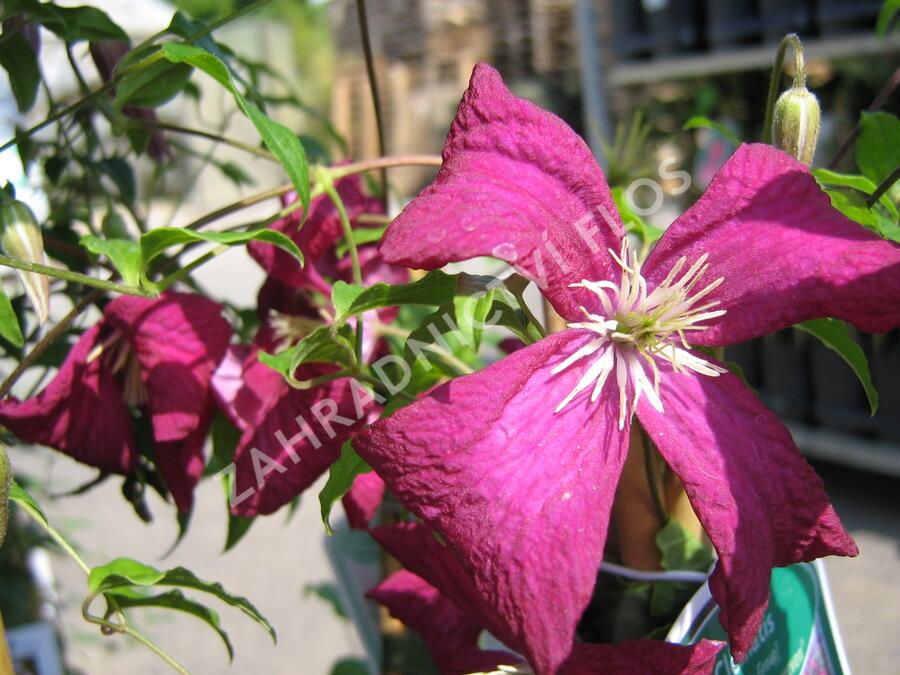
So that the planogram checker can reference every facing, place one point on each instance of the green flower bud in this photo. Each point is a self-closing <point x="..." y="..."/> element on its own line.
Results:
<point x="795" y="126"/>
<point x="20" y="237"/>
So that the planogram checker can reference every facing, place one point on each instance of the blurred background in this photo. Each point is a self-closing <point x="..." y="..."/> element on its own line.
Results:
<point x="627" y="75"/>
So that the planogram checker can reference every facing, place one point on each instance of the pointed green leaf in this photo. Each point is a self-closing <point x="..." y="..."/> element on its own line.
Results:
<point x="125" y="573"/>
<point x="20" y="63"/>
<point x="435" y="288"/>
<point x="340" y="478"/>
<point x="124" y="254"/>
<point x="280" y="140"/>
<point x="18" y="494"/>
<point x="174" y="600"/>
<point x="887" y="16"/>
<point x="701" y="122"/>
<point x="878" y="145"/>
<point x="159" y="239"/>
<point x="835" y="335"/>
<point x="152" y="85"/>
<point x="9" y="322"/>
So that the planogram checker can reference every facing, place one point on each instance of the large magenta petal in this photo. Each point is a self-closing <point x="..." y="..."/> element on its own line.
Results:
<point x="758" y="499"/>
<point x="521" y="495"/>
<point x="179" y="340"/>
<point x="647" y="657"/>
<point x="516" y="184"/>
<point x="786" y="255"/>
<point x="80" y="412"/>
<point x="293" y="439"/>
<point x="450" y="635"/>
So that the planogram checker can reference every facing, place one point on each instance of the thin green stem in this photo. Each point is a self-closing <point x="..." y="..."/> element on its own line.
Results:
<point x="37" y="517"/>
<point x="325" y="181"/>
<point x="650" y="455"/>
<point x="75" y="277"/>
<point x="791" y="39"/>
<point x="182" y="272"/>
<point x="246" y="147"/>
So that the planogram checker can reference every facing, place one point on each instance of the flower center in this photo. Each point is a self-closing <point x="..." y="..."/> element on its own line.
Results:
<point x="638" y="327"/>
<point x="290" y="328"/>
<point x="119" y="357"/>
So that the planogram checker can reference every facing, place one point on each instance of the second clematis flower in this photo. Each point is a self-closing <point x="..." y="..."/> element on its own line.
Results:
<point x="289" y="437"/>
<point x="152" y="357"/>
<point x="516" y="466"/>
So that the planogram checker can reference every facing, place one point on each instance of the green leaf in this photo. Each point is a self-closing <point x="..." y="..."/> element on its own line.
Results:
<point x="323" y="345"/>
<point x="681" y="550"/>
<point x="701" y="122"/>
<point x="174" y="600"/>
<point x="124" y="254"/>
<point x="435" y="288"/>
<point x="835" y="335"/>
<point x="152" y="85"/>
<point x="632" y="221"/>
<point x="340" y="478"/>
<point x="886" y="16"/>
<point x="471" y="313"/>
<point x="828" y="179"/>
<point x="280" y="140"/>
<point x="6" y="481"/>
<point x="73" y="23"/>
<point x="9" y="322"/>
<point x="18" y="494"/>
<point x="122" y="175"/>
<point x="350" y="666"/>
<point x="126" y="573"/>
<point x="159" y="239"/>
<point x="878" y="145"/>
<point x="330" y="594"/>
<point x="20" y="63"/>
<point x="235" y="174"/>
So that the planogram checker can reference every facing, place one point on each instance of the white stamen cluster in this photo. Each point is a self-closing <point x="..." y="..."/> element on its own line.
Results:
<point x="637" y="327"/>
<point x="290" y="328"/>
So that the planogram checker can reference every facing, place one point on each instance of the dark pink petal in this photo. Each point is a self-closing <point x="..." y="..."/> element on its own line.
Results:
<point x="316" y="238"/>
<point x="80" y="412"/>
<point x="521" y="495"/>
<point x="759" y="501"/>
<point x="179" y="340"/>
<point x="450" y="635"/>
<point x="181" y="463"/>
<point x="419" y="551"/>
<point x="296" y="436"/>
<point x="646" y="657"/>
<point x="362" y="501"/>
<point x="786" y="255"/>
<point x="516" y="184"/>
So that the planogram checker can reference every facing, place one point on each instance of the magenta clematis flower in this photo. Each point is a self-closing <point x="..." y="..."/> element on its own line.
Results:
<point x="317" y="239"/>
<point x="291" y="436"/>
<point x="156" y="356"/>
<point x="436" y="598"/>
<point x="516" y="466"/>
